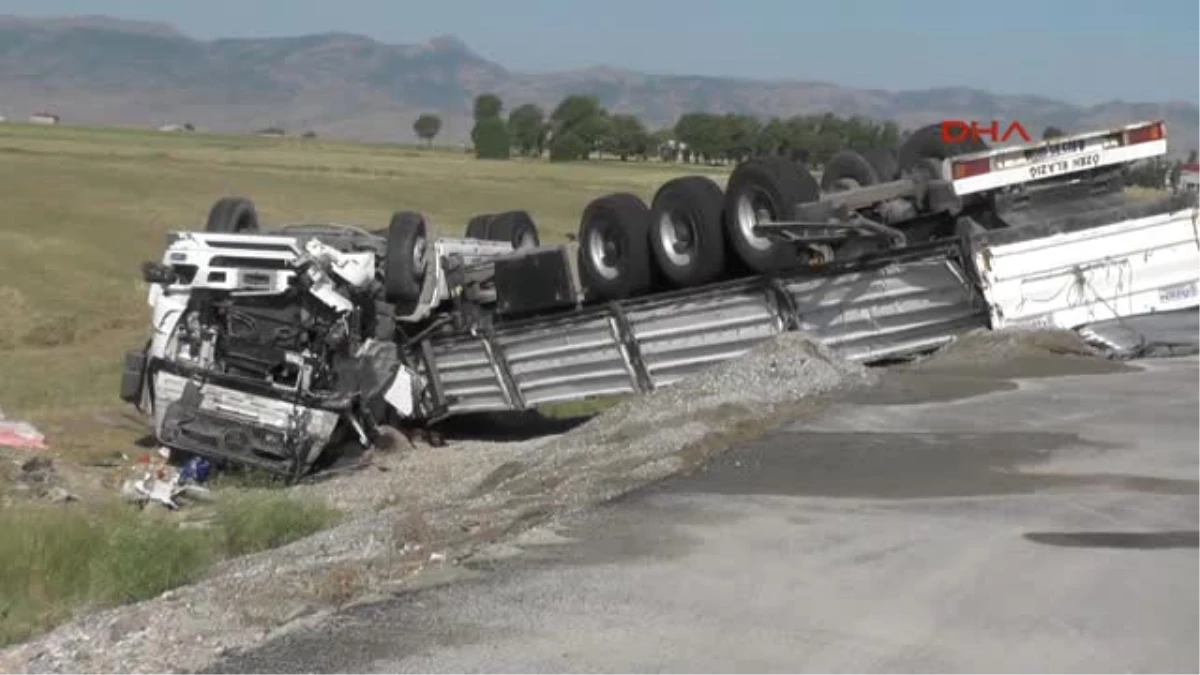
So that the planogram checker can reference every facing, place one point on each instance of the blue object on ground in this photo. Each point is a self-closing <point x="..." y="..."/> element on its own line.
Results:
<point x="196" y="470"/>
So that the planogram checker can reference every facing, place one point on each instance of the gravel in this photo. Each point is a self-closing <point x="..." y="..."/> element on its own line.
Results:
<point x="416" y="510"/>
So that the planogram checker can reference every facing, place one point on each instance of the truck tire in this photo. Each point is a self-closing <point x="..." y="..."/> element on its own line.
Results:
<point x="404" y="262"/>
<point x="847" y="170"/>
<point x="686" y="238"/>
<point x="232" y="215"/>
<point x="477" y="227"/>
<point x="927" y="143"/>
<point x="514" y="227"/>
<point x="773" y="184"/>
<point x="883" y="160"/>
<point x="614" y="247"/>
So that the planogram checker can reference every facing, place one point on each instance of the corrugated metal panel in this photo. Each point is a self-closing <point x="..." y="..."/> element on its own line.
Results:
<point x="1066" y="280"/>
<point x="683" y="337"/>
<point x="568" y="362"/>
<point x="889" y="312"/>
<point x="867" y="315"/>
<point x="468" y="375"/>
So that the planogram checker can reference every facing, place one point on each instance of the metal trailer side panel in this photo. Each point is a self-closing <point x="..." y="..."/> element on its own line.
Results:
<point x="685" y="337"/>
<point x="573" y="361"/>
<point x="890" y="312"/>
<point x="468" y="377"/>
<point x="893" y="310"/>
<point x="1140" y="266"/>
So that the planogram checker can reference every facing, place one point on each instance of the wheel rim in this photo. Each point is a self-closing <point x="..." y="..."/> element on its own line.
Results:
<point x="677" y="233"/>
<point x="418" y="258"/>
<point x="749" y="203"/>
<point x="604" y="250"/>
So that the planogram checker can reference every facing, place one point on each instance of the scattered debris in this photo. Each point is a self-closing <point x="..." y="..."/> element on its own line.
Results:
<point x="162" y="483"/>
<point x="38" y="478"/>
<point x="19" y="434"/>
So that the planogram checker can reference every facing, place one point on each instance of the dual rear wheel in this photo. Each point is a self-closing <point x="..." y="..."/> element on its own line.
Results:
<point x="692" y="233"/>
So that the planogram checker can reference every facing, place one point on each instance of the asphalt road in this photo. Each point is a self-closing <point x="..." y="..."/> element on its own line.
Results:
<point x="1047" y="527"/>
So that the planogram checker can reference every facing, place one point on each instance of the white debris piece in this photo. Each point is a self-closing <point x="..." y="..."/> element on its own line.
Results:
<point x="164" y="486"/>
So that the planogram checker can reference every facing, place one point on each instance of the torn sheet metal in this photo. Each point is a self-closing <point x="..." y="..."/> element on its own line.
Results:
<point x="1148" y="335"/>
<point x="224" y="423"/>
<point x="1130" y="268"/>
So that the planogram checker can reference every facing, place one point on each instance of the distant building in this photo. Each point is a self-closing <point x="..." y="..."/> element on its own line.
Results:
<point x="43" y="118"/>
<point x="1189" y="177"/>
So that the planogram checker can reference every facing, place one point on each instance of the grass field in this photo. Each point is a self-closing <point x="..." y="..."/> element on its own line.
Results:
<point x="84" y="207"/>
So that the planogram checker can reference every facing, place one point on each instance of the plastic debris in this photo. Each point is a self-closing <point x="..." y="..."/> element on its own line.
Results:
<point x="19" y="434"/>
<point x="166" y="485"/>
<point x="196" y="470"/>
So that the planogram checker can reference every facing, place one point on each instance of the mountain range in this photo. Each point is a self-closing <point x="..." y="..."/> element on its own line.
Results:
<point x="99" y="70"/>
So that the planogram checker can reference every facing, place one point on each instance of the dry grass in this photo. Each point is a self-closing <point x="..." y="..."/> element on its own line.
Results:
<point x="58" y="559"/>
<point x="84" y="207"/>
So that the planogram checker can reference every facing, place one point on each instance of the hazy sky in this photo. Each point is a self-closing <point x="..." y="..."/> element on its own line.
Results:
<point x="1085" y="51"/>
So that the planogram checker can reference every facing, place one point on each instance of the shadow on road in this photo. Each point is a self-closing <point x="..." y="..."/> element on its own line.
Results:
<point x="1131" y="540"/>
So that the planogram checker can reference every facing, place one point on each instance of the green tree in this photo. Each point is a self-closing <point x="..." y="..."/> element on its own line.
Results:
<point x="627" y="137"/>
<point x="704" y="134"/>
<point x="490" y="133"/>
<point x="830" y="136"/>
<point x="527" y="129"/>
<point x="575" y="110"/>
<point x="801" y="138"/>
<point x="740" y="136"/>
<point x="584" y="117"/>
<point x="772" y="138"/>
<point x="568" y="147"/>
<point x="487" y="106"/>
<point x="427" y="127"/>
<point x="491" y="139"/>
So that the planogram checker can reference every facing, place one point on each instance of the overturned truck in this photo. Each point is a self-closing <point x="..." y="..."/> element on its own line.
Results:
<point x="271" y="346"/>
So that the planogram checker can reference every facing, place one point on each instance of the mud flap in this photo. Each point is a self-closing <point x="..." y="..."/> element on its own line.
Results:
<point x="133" y="376"/>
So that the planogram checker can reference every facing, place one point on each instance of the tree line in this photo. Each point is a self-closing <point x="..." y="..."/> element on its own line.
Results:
<point x="580" y="128"/>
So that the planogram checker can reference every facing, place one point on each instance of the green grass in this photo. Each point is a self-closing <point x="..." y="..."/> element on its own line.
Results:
<point x="58" y="560"/>
<point x="267" y="519"/>
<point x="55" y="560"/>
<point x="585" y="408"/>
